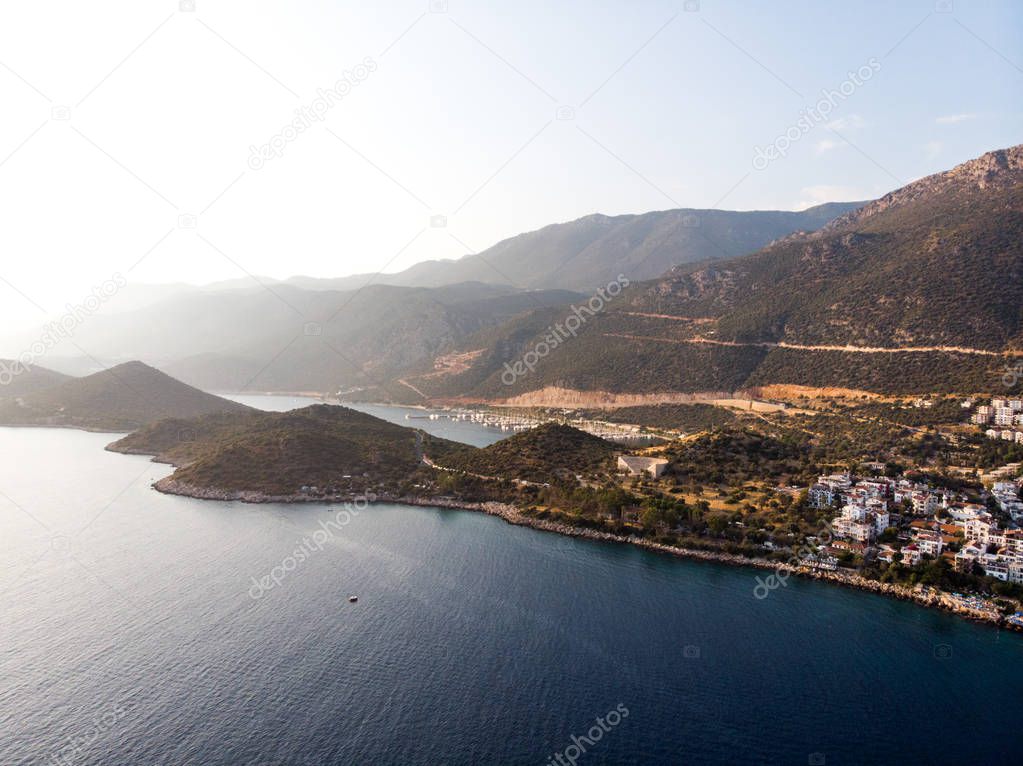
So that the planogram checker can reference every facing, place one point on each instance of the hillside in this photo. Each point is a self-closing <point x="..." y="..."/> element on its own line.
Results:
<point x="682" y="417"/>
<point x="736" y="455"/>
<point x="589" y="252"/>
<point x="361" y="332"/>
<point x="284" y="338"/>
<point x="337" y="450"/>
<point x="17" y="380"/>
<point x="541" y="454"/>
<point x="936" y="263"/>
<point x="121" y="398"/>
<point x="919" y="291"/>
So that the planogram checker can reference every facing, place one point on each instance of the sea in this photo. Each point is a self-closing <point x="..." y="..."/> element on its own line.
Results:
<point x="141" y="628"/>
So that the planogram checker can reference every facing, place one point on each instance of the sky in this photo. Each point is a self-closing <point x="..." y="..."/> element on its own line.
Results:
<point x="145" y="141"/>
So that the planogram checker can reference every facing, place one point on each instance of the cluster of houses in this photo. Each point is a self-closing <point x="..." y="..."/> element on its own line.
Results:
<point x="999" y="552"/>
<point x="929" y="523"/>
<point x="1005" y="416"/>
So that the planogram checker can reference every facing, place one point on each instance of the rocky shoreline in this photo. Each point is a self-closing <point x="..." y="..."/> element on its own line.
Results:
<point x="513" y="515"/>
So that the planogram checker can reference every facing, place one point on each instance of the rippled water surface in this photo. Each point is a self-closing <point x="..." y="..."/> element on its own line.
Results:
<point x="139" y="628"/>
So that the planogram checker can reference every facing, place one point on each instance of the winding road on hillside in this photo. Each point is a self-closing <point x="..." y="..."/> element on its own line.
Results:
<point x="801" y="347"/>
<point x="521" y="482"/>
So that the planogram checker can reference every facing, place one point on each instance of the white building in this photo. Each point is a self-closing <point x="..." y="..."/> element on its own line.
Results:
<point x="911" y="555"/>
<point x="924" y="503"/>
<point x="929" y="543"/>
<point x="860" y="531"/>
<point x="965" y="511"/>
<point x="979" y="530"/>
<point x="635" y="465"/>
<point x="821" y="496"/>
<point x="1004" y="416"/>
<point x="967" y="556"/>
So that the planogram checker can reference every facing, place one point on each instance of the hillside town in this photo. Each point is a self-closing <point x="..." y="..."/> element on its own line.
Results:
<point x="1005" y="418"/>
<point x="909" y="522"/>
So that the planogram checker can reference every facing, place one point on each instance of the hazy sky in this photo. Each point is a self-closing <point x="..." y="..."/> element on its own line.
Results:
<point x="122" y="120"/>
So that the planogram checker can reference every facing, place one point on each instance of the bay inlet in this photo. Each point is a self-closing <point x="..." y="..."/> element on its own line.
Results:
<point x="129" y="633"/>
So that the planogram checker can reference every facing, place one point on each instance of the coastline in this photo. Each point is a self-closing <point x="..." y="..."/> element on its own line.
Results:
<point x="931" y="598"/>
<point x="304" y="394"/>
<point x="87" y="429"/>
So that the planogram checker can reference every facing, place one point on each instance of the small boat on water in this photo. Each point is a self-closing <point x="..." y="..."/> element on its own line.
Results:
<point x="352" y="599"/>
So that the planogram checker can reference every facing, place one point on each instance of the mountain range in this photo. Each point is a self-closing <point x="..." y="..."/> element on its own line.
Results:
<point x="920" y="290"/>
<point x="367" y="332"/>
<point x="586" y="253"/>
<point x="280" y="337"/>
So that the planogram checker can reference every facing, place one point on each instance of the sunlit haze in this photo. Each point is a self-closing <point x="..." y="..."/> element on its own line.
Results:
<point x="125" y="144"/>
<point x="477" y="382"/>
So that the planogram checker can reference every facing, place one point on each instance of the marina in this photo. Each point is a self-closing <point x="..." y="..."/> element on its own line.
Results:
<point x="516" y="423"/>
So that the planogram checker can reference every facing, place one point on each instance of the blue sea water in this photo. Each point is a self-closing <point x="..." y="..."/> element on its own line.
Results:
<point x="139" y="628"/>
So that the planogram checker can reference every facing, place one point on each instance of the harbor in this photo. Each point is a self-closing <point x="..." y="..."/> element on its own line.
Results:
<point x="515" y="423"/>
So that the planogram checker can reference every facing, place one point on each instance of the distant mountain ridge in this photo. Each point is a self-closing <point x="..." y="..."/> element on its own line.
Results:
<point x="285" y="338"/>
<point x="938" y="262"/>
<point x="121" y="398"/>
<point x="995" y="170"/>
<point x="921" y="290"/>
<point x="588" y="252"/>
<point x="308" y="334"/>
<point x="17" y="379"/>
